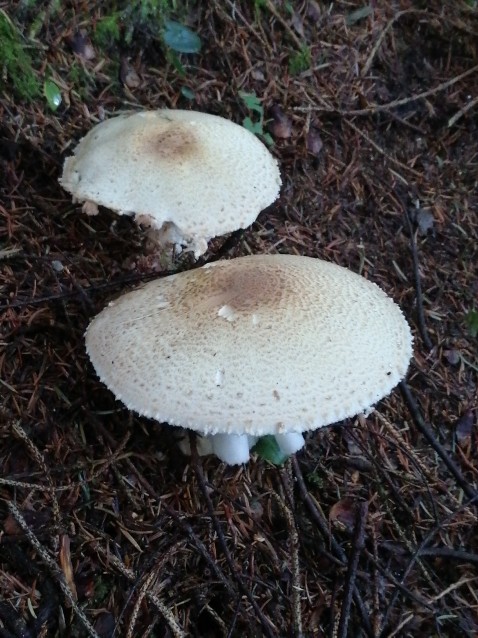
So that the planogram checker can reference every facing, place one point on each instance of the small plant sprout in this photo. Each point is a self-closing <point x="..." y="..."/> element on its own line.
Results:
<point x="300" y="61"/>
<point x="251" y="123"/>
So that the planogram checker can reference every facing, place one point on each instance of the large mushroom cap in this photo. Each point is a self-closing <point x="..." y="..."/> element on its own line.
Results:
<point x="255" y="345"/>
<point x="205" y="175"/>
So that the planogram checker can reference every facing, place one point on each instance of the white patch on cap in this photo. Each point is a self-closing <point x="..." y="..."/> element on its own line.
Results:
<point x="227" y="312"/>
<point x="219" y="378"/>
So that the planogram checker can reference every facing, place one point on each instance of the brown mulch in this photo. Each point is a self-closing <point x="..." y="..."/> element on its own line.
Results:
<point x="105" y="528"/>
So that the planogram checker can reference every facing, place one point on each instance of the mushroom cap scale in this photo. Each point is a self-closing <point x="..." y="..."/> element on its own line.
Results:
<point x="200" y="172"/>
<point x="255" y="345"/>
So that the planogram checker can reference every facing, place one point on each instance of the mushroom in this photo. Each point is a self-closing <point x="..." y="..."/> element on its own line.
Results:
<point x="271" y="344"/>
<point x="186" y="175"/>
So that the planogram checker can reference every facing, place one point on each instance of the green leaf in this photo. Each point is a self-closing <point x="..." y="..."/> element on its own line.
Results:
<point x="253" y="127"/>
<point x="268" y="449"/>
<point x="188" y="93"/>
<point x="52" y="94"/>
<point x="471" y="319"/>
<point x="176" y="62"/>
<point x="252" y="102"/>
<point x="181" y="39"/>
<point x="357" y="15"/>
<point x="268" y="139"/>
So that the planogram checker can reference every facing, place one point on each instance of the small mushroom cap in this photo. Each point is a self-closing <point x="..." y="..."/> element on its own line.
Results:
<point x="200" y="172"/>
<point x="255" y="345"/>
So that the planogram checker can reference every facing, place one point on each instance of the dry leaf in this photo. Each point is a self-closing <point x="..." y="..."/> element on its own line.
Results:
<point x="314" y="142"/>
<point x="281" y="125"/>
<point x="297" y="24"/>
<point x="81" y="45"/>
<point x="464" y="426"/>
<point x="452" y="356"/>
<point x="128" y="75"/>
<point x="425" y="220"/>
<point x="314" y="11"/>
<point x="343" y="514"/>
<point x="11" y="527"/>
<point x="34" y="520"/>
<point x="66" y="565"/>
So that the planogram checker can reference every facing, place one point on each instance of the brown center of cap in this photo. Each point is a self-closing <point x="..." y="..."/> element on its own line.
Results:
<point x="246" y="290"/>
<point x="175" y="143"/>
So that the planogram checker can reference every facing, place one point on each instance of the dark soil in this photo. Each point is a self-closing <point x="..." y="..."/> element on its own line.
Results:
<point x="105" y="528"/>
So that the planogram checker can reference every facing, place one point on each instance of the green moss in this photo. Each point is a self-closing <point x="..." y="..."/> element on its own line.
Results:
<point x="83" y="82"/>
<point x="300" y="61"/>
<point x="15" y="63"/>
<point x="121" y="23"/>
<point x="471" y="319"/>
<point x="108" y="30"/>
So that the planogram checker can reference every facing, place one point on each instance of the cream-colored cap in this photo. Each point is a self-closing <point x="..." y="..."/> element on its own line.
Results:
<point x="255" y="345"/>
<point x="199" y="174"/>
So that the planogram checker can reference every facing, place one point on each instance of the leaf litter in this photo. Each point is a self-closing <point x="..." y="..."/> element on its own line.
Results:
<point x="105" y="528"/>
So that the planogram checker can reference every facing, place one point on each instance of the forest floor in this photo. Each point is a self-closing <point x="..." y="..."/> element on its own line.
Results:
<point x="106" y="529"/>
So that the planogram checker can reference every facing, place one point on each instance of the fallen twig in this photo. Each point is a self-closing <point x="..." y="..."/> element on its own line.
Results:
<point x="416" y="557"/>
<point x="185" y="527"/>
<point x="418" y="285"/>
<point x="323" y="527"/>
<point x="271" y="7"/>
<point x="358" y="545"/>
<point x="435" y="552"/>
<point x="129" y="574"/>
<point x="366" y="67"/>
<point x="50" y="488"/>
<point x="294" y="548"/>
<point x="53" y="567"/>
<point x="40" y="459"/>
<point x="469" y="105"/>
<point x="377" y="108"/>
<point x="381" y="150"/>
<point x="266" y="625"/>
<point x="426" y="431"/>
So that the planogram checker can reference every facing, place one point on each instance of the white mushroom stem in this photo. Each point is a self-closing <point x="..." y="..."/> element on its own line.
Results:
<point x="233" y="449"/>
<point x="290" y="442"/>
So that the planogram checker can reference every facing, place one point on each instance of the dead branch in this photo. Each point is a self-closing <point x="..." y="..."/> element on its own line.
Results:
<point x="266" y="624"/>
<point x="426" y="431"/>
<point x="358" y="544"/>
